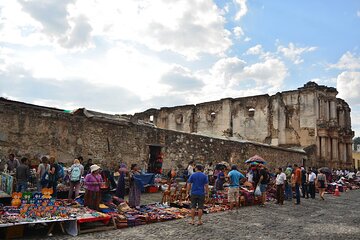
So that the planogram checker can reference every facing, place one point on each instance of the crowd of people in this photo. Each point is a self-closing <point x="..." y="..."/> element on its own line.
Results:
<point x="49" y="173"/>
<point x="291" y="182"/>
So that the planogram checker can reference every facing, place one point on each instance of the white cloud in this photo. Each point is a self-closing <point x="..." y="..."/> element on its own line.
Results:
<point x="294" y="53"/>
<point x="51" y="14"/>
<point x="255" y="50"/>
<point x="358" y="13"/>
<point x="348" y="61"/>
<point x="243" y="9"/>
<point x="227" y="70"/>
<point x="187" y="27"/>
<point x="247" y="39"/>
<point x="272" y="72"/>
<point x="181" y="79"/>
<point x="238" y="32"/>
<point x="230" y="72"/>
<point x="348" y="85"/>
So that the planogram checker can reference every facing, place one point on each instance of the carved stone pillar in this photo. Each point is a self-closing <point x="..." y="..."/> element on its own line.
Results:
<point x="341" y="152"/>
<point x="322" y="109"/>
<point x="333" y="114"/>
<point x="328" y="148"/>
<point x="335" y="151"/>
<point x="318" y="147"/>
<point x="327" y="110"/>
<point x="342" y="118"/>
<point x="323" y="147"/>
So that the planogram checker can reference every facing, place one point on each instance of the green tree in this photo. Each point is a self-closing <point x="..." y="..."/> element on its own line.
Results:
<point x="356" y="142"/>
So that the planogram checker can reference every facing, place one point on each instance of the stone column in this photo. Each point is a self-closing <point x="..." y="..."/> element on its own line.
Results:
<point x="327" y="110"/>
<point x="341" y="152"/>
<point x="335" y="152"/>
<point x="318" y="147"/>
<point x="323" y="147"/>
<point x="322" y="109"/>
<point x="333" y="110"/>
<point x="342" y="118"/>
<point x="328" y="148"/>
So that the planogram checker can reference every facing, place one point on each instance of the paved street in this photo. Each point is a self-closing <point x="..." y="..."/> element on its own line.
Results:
<point x="334" y="218"/>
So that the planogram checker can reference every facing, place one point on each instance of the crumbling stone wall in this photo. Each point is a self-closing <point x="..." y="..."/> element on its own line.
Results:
<point x="308" y="116"/>
<point x="35" y="131"/>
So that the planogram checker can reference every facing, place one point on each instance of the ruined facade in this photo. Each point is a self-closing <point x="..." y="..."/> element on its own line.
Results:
<point x="310" y="118"/>
<point x="34" y="131"/>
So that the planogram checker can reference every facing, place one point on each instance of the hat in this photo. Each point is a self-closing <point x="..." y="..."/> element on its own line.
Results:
<point x="94" y="167"/>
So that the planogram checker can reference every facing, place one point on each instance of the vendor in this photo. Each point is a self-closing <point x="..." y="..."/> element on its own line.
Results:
<point x="12" y="163"/>
<point x="22" y="175"/>
<point x="121" y="188"/>
<point x="92" y="183"/>
<point x="135" y="186"/>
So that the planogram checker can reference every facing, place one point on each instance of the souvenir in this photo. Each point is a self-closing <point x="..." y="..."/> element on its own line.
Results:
<point x="16" y="201"/>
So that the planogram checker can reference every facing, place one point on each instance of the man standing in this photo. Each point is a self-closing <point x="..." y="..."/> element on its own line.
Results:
<point x="199" y="185"/>
<point x="311" y="184"/>
<point x="304" y="181"/>
<point x="12" y="163"/>
<point x="297" y="175"/>
<point x="263" y="181"/>
<point x="22" y="175"/>
<point x="233" y="193"/>
<point x="280" y="186"/>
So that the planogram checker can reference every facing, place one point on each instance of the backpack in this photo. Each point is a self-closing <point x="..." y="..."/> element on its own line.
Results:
<point x="60" y="171"/>
<point x="75" y="174"/>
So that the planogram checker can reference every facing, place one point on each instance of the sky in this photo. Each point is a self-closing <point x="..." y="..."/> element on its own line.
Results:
<point x="131" y="55"/>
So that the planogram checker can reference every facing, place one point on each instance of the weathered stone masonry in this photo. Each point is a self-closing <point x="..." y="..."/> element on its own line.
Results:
<point x="34" y="131"/>
<point x="309" y="117"/>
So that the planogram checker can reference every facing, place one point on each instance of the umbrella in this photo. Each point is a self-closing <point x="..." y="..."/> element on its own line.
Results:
<point x="257" y="159"/>
<point x="226" y="164"/>
<point x="325" y="170"/>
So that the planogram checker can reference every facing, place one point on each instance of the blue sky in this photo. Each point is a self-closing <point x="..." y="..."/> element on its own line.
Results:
<point x="131" y="55"/>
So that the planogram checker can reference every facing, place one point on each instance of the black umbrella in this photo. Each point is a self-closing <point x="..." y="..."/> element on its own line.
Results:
<point x="325" y="170"/>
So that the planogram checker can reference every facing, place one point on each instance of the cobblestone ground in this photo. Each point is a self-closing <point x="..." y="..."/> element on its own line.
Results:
<point x="334" y="218"/>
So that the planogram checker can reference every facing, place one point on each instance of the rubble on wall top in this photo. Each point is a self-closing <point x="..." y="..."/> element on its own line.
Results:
<point x="314" y="85"/>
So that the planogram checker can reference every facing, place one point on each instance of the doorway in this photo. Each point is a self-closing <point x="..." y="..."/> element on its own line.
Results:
<point x="155" y="159"/>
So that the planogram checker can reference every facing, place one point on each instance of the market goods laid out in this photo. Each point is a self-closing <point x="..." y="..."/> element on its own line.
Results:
<point x="40" y="208"/>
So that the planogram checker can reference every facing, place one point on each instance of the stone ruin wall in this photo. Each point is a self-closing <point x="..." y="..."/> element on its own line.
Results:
<point x="308" y="117"/>
<point x="35" y="131"/>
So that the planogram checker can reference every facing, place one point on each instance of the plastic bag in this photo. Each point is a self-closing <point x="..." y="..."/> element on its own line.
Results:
<point x="257" y="191"/>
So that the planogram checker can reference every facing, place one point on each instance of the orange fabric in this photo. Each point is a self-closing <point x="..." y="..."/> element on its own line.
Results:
<point x="298" y="175"/>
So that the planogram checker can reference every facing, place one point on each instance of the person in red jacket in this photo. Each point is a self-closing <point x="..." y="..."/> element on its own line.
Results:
<point x="297" y="173"/>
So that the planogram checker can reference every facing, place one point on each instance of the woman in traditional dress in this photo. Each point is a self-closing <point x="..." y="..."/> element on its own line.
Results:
<point x="135" y="186"/>
<point x="120" y="189"/>
<point x="93" y="181"/>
